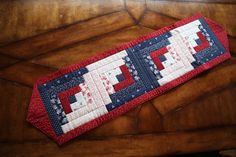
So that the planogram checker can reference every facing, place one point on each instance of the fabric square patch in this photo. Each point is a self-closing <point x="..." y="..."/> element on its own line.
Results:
<point x="120" y="77"/>
<point x="162" y="58"/>
<point x="72" y="99"/>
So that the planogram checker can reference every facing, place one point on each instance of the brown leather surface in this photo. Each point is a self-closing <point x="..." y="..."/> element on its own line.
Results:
<point x="192" y="117"/>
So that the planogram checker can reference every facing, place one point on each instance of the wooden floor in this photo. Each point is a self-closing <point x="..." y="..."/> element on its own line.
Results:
<point x="39" y="37"/>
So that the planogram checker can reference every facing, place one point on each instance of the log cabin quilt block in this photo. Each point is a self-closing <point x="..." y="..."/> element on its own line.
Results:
<point x="80" y="97"/>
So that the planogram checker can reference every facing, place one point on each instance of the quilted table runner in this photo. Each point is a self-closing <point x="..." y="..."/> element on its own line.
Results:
<point x="82" y="96"/>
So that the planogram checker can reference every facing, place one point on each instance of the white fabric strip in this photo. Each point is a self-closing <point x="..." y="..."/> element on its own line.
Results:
<point x="84" y="119"/>
<point x="102" y="91"/>
<point x="78" y="113"/>
<point x="185" y="49"/>
<point x="190" y="31"/>
<point x="93" y="89"/>
<point x="110" y="66"/>
<point x="107" y="60"/>
<point x="186" y="27"/>
<point x="107" y="84"/>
